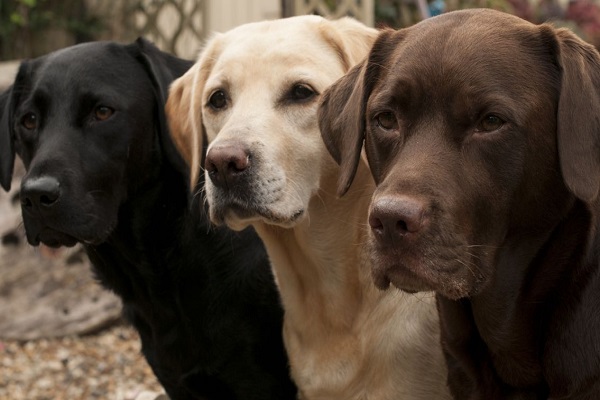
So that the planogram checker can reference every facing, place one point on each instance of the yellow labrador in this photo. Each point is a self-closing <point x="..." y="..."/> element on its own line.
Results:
<point x="254" y="93"/>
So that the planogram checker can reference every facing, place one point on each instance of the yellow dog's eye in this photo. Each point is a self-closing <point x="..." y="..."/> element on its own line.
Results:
<point x="301" y="92"/>
<point x="490" y="123"/>
<point x="386" y="120"/>
<point x="29" y="121"/>
<point x="218" y="100"/>
<point x="102" y="113"/>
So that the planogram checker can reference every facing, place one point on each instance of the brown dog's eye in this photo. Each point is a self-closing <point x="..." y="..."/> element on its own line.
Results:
<point x="218" y="100"/>
<point x="29" y="121"/>
<point x="490" y="123"/>
<point x="386" y="120"/>
<point x="103" y="113"/>
<point x="301" y="92"/>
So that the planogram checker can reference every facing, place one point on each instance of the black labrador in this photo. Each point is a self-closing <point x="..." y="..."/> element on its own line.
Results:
<point x="88" y="122"/>
<point x="482" y="132"/>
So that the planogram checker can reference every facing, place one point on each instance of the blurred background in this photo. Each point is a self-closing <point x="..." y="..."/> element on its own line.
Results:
<point x="29" y="28"/>
<point x="61" y="335"/>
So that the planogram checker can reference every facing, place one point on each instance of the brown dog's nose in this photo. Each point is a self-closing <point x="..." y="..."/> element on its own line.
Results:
<point x="226" y="163"/>
<point x="394" y="217"/>
<point x="40" y="192"/>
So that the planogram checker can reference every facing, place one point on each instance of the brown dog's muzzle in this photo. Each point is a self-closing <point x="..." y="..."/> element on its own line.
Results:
<point x="422" y="237"/>
<point x="399" y="225"/>
<point x="397" y="218"/>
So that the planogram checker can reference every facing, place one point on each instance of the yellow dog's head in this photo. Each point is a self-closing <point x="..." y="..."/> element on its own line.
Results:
<point x="254" y="94"/>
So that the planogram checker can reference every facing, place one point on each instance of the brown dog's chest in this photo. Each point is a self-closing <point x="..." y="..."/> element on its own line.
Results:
<point x="489" y="366"/>
<point x="505" y="340"/>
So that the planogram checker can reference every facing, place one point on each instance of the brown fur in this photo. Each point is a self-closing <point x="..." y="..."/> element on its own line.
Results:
<point x="482" y="134"/>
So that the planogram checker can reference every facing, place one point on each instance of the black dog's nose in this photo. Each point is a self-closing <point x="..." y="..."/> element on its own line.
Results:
<point x="40" y="192"/>
<point x="395" y="217"/>
<point x="226" y="163"/>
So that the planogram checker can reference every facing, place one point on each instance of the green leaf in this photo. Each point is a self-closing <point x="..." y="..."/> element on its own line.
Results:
<point x="17" y="19"/>
<point x="29" y="3"/>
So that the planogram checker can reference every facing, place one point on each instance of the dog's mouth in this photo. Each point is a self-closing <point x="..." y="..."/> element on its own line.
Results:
<point x="52" y="238"/>
<point x="438" y="269"/>
<point x="400" y="277"/>
<point x="236" y="212"/>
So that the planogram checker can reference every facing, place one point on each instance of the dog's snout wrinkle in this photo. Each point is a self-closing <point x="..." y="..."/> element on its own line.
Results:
<point x="225" y="163"/>
<point x="41" y="192"/>
<point x="395" y="217"/>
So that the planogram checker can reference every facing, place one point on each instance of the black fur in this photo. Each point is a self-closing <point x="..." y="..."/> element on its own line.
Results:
<point x="203" y="299"/>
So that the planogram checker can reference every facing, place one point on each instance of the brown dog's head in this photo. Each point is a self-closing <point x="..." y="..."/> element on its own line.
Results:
<point x="480" y="130"/>
<point x="254" y="94"/>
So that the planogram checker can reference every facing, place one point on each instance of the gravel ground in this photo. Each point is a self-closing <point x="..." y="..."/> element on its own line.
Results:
<point x="47" y="356"/>
<point x="107" y="366"/>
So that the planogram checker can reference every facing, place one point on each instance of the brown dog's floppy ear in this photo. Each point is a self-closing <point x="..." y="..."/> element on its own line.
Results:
<point x="578" y="122"/>
<point x="7" y="150"/>
<point x="342" y="123"/>
<point x="342" y="110"/>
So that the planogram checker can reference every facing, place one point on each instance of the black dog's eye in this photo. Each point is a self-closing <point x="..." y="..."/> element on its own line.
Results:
<point x="29" y="121"/>
<point x="301" y="92"/>
<point x="490" y="123"/>
<point x="386" y="120"/>
<point x="102" y="113"/>
<point x="218" y="100"/>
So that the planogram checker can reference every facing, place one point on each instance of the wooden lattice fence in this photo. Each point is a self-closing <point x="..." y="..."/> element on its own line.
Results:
<point x="363" y="10"/>
<point x="176" y="26"/>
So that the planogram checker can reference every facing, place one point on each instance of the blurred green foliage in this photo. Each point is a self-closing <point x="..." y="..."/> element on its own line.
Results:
<point x="27" y="26"/>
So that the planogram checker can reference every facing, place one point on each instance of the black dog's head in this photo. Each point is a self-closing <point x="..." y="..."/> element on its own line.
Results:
<point x="89" y="125"/>
<point x="480" y="130"/>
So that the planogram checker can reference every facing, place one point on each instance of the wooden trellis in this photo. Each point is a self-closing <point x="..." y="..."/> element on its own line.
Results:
<point x="363" y="10"/>
<point x="176" y="26"/>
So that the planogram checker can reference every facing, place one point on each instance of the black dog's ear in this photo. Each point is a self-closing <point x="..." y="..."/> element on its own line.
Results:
<point x="342" y="118"/>
<point x="578" y="130"/>
<point x="162" y="68"/>
<point x="7" y="150"/>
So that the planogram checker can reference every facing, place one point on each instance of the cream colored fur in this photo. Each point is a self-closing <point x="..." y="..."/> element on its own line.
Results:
<point x="346" y="340"/>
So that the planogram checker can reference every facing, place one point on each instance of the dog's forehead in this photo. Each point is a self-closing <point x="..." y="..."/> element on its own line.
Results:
<point x="468" y="50"/>
<point x="83" y="65"/>
<point x="466" y="38"/>
<point x="297" y="32"/>
<point x="276" y="48"/>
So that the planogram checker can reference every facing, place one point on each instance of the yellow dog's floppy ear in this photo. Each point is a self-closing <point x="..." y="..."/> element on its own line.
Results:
<point x="184" y="109"/>
<point x="578" y="125"/>
<point x="177" y="109"/>
<point x="342" y="118"/>
<point x="350" y="38"/>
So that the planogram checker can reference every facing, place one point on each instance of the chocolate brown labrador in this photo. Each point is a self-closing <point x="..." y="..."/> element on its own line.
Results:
<point x="482" y="132"/>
